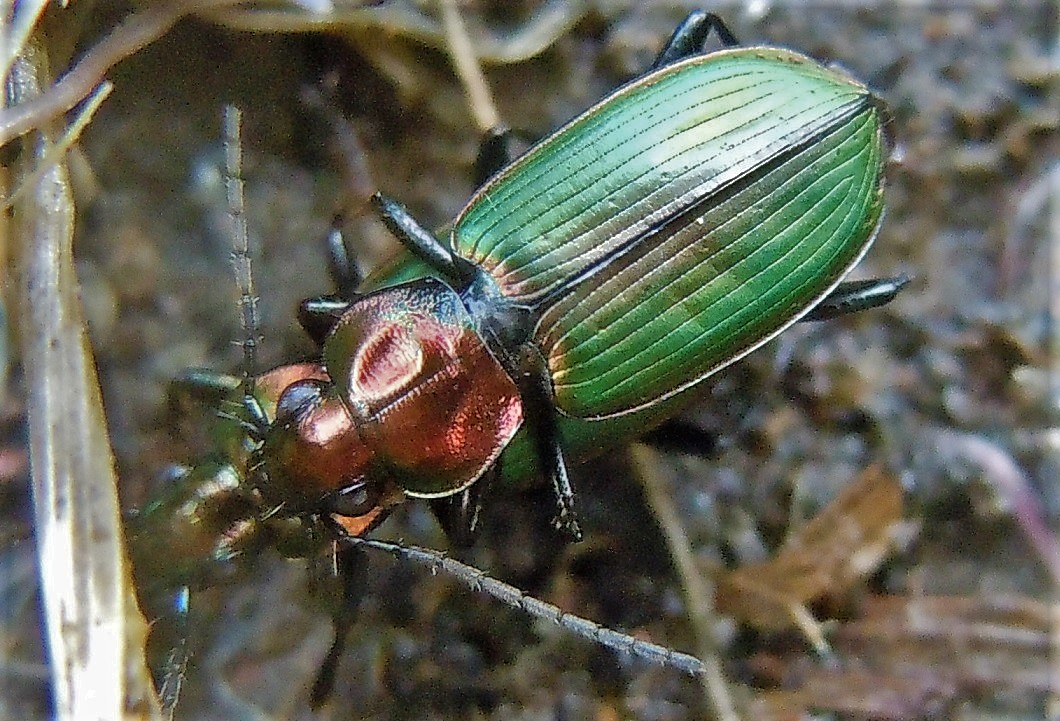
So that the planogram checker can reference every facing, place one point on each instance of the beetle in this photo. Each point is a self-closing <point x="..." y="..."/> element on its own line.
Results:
<point x="588" y="286"/>
<point x="584" y="294"/>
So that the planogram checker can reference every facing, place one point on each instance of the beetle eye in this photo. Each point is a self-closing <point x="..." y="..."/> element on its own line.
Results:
<point x="356" y="499"/>
<point x="297" y="400"/>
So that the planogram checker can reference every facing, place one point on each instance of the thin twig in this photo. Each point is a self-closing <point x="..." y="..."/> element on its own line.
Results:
<point x="468" y="69"/>
<point x="139" y="30"/>
<point x="65" y="142"/>
<point x="16" y="29"/>
<point x="550" y="21"/>
<point x="1013" y="486"/>
<point x="698" y="591"/>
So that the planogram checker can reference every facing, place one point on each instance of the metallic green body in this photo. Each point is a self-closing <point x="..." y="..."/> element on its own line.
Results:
<point x="674" y="227"/>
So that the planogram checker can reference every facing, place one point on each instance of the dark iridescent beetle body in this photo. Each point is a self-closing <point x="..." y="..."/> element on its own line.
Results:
<point x="579" y="298"/>
<point x="669" y="230"/>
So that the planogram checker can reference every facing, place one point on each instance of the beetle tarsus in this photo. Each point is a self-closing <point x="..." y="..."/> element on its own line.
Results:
<point x="538" y="399"/>
<point x="175" y="668"/>
<point x="691" y="35"/>
<point x="566" y="520"/>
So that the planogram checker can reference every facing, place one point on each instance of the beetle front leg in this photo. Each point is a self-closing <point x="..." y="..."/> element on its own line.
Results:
<point x="318" y="316"/>
<point x="690" y="37"/>
<point x="207" y="388"/>
<point x="853" y="296"/>
<point x="349" y="570"/>
<point x="341" y="266"/>
<point x="459" y="514"/>
<point x="541" y="414"/>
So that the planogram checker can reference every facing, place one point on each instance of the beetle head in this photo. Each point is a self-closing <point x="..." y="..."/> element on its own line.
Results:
<point x="314" y="459"/>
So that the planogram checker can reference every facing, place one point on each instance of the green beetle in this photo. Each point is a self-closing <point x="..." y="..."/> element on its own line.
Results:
<point x="584" y="292"/>
<point x="582" y="296"/>
<point x="668" y="231"/>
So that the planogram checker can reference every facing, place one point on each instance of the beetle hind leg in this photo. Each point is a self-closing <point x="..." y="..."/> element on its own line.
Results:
<point x="691" y="35"/>
<point x="341" y="266"/>
<point x="853" y="296"/>
<point x="494" y="153"/>
<point x="680" y="435"/>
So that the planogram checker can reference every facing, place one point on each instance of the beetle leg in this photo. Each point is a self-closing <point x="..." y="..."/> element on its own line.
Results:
<point x="349" y="569"/>
<point x="215" y="390"/>
<point x="256" y="424"/>
<point x="319" y="315"/>
<point x="682" y="436"/>
<point x="541" y="414"/>
<point x="459" y="514"/>
<point x="857" y="295"/>
<point x="341" y="267"/>
<point x="494" y="153"/>
<point x="458" y="271"/>
<point x="176" y="663"/>
<point x="205" y="387"/>
<point x="691" y="35"/>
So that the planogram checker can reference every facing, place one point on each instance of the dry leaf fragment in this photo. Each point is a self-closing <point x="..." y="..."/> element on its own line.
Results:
<point x="845" y="542"/>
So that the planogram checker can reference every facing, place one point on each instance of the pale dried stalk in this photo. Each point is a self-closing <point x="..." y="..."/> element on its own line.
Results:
<point x="94" y="633"/>
<point x="139" y="30"/>
<point x="697" y="590"/>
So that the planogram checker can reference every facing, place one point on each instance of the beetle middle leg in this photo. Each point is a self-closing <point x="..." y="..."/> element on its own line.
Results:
<point x="349" y="570"/>
<point x="690" y="36"/>
<point x="542" y="415"/>
<point x="459" y="514"/>
<point x="688" y="39"/>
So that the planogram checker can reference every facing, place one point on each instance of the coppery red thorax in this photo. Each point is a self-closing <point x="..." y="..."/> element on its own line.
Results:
<point x="407" y="399"/>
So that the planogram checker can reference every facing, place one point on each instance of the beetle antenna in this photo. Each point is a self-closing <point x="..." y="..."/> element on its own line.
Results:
<point x="241" y="248"/>
<point x="479" y="581"/>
